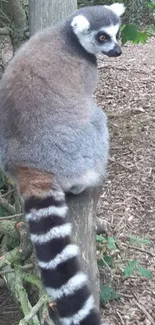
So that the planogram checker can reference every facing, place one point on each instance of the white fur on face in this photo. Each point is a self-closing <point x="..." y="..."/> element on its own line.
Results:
<point x="117" y="8"/>
<point x="90" y="44"/>
<point x="111" y="30"/>
<point x="80" y="24"/>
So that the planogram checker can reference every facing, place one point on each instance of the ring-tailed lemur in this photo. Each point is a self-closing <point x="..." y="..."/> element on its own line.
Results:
<point x="54" y="139"/>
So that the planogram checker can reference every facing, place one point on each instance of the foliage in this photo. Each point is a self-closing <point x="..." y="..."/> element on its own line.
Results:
<point x="139" y="240"/>
<point x="131" y="33"/>
<point x="135" y="265"/>
<point x="108" y="293"/>
<point x="136" y="10"/>
<point x="151" y="5"/>
<point x="109" y="258"/>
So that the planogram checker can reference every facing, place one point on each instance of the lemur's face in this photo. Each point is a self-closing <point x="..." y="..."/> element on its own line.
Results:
<point x="101" y="35"/>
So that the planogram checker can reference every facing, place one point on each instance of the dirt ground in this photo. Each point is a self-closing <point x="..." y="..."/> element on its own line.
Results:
<point x="127" y="93"/>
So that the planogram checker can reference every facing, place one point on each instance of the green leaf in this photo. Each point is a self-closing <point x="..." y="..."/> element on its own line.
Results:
<point x="101" y="262"/>
<point x="111" y="243"/>
<point x="129" y="33"/>
<point x="129" y="269"/>
<point x="141" y="37"/>
<point x="139" y="240"/>
<point x="152" y="2"/>
<point x="108" y="293"/>
<point x="144" y="272"/>
<point x="151" y="30"/>
<point x="106" y="260"/>
<point x="109" y="260"/>
<point x="151" y="6"/>
<point x="3" y="212"/>
<point x="100" y="238"/>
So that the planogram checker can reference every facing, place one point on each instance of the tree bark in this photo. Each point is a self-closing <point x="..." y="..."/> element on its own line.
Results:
<point x="45" y="13"/>
<point x="19" y="22"/>
<point x="82" y="213"/>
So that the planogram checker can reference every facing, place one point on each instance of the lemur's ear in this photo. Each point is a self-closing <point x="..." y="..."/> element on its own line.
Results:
<point x="117" y="8"/>
<point x="80" y="24"/>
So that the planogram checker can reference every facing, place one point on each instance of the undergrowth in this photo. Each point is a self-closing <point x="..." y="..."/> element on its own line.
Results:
<point x="110" y="260"/>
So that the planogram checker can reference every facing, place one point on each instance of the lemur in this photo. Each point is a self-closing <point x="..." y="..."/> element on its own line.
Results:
<point x="54" y="140"/>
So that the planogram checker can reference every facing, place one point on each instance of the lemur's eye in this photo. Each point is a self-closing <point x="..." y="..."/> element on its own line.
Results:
<point x="102" y="38"/>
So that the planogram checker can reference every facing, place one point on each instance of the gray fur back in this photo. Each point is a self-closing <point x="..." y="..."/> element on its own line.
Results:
<point x="48" y="119"/>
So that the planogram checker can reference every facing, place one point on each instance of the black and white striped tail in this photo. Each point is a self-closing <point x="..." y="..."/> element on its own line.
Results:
<point x="58" y="259"/>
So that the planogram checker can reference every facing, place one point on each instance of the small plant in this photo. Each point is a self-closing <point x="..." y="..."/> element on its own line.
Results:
<point x="106" y="260"/>
<point x="135" y="34"/>
<point x="131" y="32"/>
<point x="139" y="240"/>
<point x="134" y="265"/>
<point x="108" y="293"/>
<point x="151" y="5"/>
<point x="107" y="252"/>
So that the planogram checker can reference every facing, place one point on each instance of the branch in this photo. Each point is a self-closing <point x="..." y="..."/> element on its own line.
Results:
<point x="139" y="249"/>
<point x="33" y="312"/>
<point x="8" y="228"/>
<point x="11" y="217"/>
<point x="9" y="258"/>
<point x="19" y="22"/>
<point x="25" y="250"/>
<point x="10" y="270"/>
<point x="101" y="226"/>
<point x="17" y="203"/>
<point x="34" y="280"/>
<point x="145" y="312"/>
<point x="5" y="31"/>
<point x="21" y="253"/>
<point x="22" y="297"/>
<point x="7" y="206"/>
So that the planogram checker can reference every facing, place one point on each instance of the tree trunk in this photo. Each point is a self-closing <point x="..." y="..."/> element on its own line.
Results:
<point x="82" y="208"/>
<point x="19" y="22"/>
<point x="45" y="13"/>
<point x="82" y="213"/>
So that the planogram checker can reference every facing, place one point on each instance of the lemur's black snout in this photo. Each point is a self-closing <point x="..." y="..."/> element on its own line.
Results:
<point x="116" y="51"/>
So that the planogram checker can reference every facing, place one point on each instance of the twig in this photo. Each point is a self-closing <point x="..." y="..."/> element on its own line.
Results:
<point x="12" y="217"/>
<point x="7" y="193"/>
<point x="125" y="295"/>
<point x="5" y="31"/>
<point x="22" y="297"/>
<point x="21" y="253"/>
<point x="33" y="312"/>
<point x="124" y="69"/>
<point x="139" y="249"/>
<point x="120" y="317"/>
<point x="145" y="312"/>
<point x="112" y="160"/>
<point x="25" y="267"/>
<point x="32" y="279"/>
<point x="7" y="206"/>
<point x="17" y="201"/>
<point x="101" y="226"/>
<point x="10" y="257"/>
<point x="8" y="228"/>
<point x="4" y="15"/>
